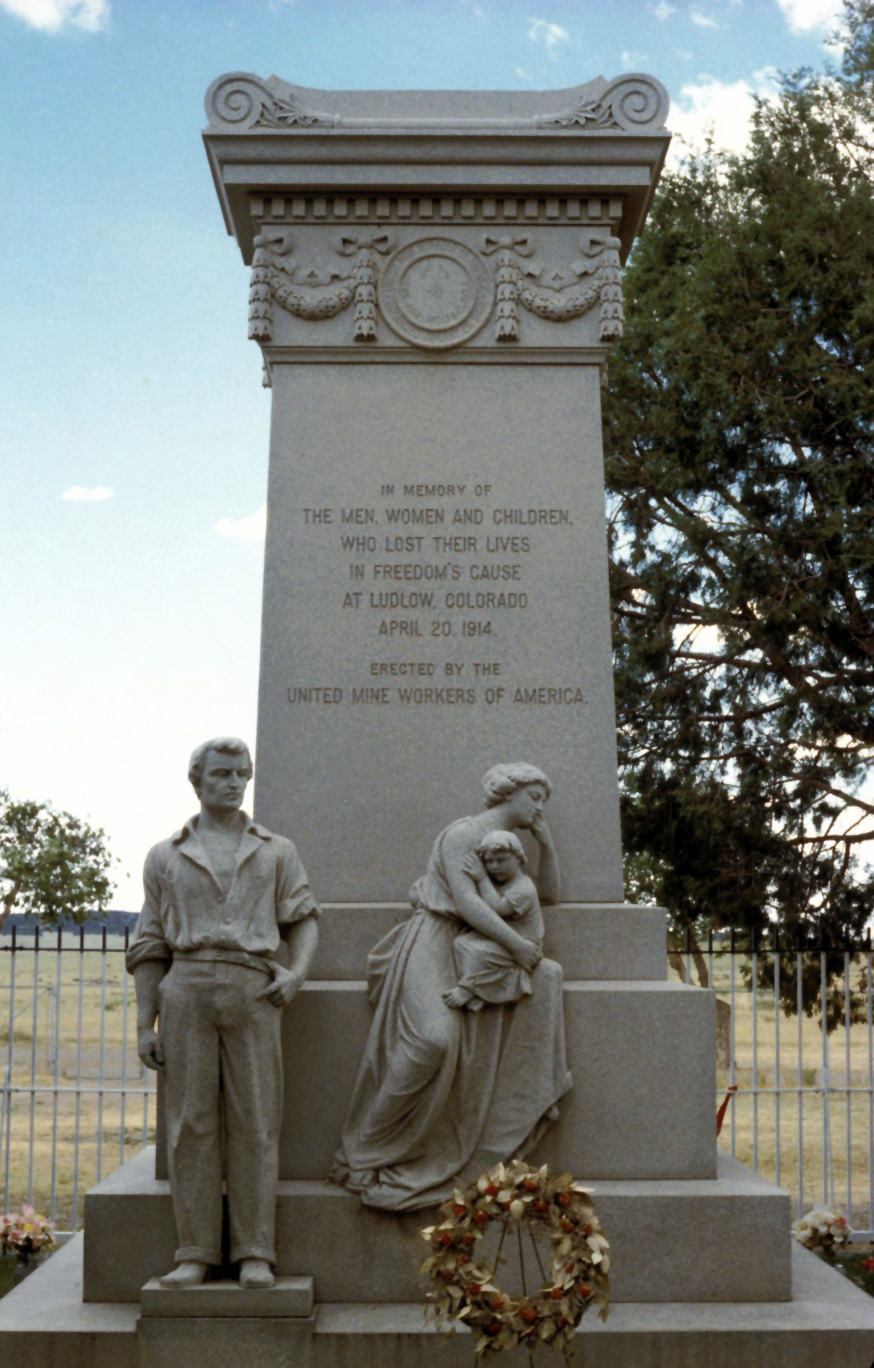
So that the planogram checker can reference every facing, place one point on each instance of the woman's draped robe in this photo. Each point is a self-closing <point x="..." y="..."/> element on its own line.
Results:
<point x="443" y="1094"/>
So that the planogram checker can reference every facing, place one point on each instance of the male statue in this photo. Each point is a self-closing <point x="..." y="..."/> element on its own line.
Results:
<point x="222" y="895"/>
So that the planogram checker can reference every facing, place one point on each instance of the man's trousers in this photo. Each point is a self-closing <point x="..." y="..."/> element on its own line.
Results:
<point x="221" y="1044"/>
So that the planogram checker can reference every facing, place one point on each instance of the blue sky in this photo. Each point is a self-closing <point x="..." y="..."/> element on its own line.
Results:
<point x="133" y="425"/>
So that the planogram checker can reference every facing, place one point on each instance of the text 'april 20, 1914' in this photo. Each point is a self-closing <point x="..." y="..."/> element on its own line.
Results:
<point x="431" y="567"/>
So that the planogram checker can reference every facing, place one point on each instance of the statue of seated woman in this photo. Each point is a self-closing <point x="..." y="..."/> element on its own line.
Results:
<point x="444" y="1094"/>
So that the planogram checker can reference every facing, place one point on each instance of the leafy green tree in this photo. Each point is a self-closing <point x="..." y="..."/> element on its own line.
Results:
<point x="739" y="442"/>
<point x="51" y="864"/>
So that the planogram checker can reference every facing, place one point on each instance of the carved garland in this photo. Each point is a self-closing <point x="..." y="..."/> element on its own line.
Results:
<point x="313" y="299"/>
<point x="520" y="1199"/>
<point x="364" y="275"/>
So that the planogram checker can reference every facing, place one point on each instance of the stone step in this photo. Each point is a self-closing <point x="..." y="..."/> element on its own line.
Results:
<point x="643" y="1057"/>
<point x="723" y="1239"/>
<point x="225" y="1299"/>
<point x="589" y="940"/>
<point x="828" y="1323"/>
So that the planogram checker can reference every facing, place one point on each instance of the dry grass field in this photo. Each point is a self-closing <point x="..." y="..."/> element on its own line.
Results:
<point x="83" y="1022"/>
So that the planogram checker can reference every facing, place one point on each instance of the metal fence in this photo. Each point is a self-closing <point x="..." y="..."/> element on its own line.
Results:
<point x="801" y="1109"/>
<point x="75" y="1101"/>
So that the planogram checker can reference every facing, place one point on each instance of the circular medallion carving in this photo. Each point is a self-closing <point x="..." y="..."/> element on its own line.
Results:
<point x="435" y="293"/>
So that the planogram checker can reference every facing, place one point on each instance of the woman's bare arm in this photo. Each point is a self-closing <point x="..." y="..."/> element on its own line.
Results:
<point x="548" y="876"/>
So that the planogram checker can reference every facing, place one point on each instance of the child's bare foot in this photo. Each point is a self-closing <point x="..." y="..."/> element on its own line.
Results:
<point x="456" y="997"/>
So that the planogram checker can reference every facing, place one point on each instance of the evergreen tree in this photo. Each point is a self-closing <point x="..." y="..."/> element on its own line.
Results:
<point x="739" y="441"/>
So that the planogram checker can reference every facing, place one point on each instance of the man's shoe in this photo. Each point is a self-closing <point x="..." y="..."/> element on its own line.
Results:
<point x="256" y="1273"/>
<point x="190" y="1273"/>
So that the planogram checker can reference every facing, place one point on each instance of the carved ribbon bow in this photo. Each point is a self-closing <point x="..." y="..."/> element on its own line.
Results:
<point x="375" y="242"/>
<point x="523" y="245"/>
<point x="594" y="243"/>
<point x="278" y="239"/>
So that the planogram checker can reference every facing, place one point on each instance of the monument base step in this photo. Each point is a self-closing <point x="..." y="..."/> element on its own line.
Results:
<point x="828" y="1323"/>
<point x="207" y="1342"/>
<point x="652" y="1074"/>
<point x="288" y="1297"/>
<point x="589" y="940"/>
<point x="723" y="1239"/>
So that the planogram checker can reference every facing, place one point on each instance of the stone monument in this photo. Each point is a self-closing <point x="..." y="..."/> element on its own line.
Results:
<point x="435" y="287"/>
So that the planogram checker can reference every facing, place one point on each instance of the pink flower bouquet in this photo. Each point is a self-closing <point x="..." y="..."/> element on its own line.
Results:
<point x="26" y="1234"/>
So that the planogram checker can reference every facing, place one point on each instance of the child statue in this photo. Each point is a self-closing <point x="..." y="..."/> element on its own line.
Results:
<point x="488" y="972"/>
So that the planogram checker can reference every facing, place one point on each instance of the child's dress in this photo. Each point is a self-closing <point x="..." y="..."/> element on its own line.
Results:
<point x="486" y="969"/>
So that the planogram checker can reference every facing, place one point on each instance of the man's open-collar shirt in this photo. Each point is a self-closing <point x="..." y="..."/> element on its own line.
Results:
<point x="185" y="908"/>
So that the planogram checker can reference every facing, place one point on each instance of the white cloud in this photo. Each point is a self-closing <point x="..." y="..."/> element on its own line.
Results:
<point x="251" y="529"/>
<point x="50" y="16"/>
<point x="523" y="74"/>
<point x="703" y="20"/>
<point x="552" y="35"/>
<point x="803" y="15"/>
<point x="632" y="61"/>
<point x="79" y="494"/>
<point x="723" y="107"/>
<point x="663" y="10"/>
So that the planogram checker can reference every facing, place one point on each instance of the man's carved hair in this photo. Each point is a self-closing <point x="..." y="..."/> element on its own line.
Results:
<point x="225" y="745"/>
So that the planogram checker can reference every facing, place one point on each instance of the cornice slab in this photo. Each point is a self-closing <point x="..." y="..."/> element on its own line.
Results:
<point x="601" y="137"/>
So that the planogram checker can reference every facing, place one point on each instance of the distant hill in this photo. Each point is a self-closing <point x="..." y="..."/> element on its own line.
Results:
<point x="115" y="922"/>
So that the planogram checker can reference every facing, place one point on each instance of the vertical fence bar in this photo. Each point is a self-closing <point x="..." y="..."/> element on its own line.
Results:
<point x="848" y="1085"/>
<point x="732" y="1065"/>
<point x="102" y="1057"/>
<point x="827" y="1169"/>
<point x="870" y="1032"/>
<point x="56" y="1065"/>
<point x="77" y="1126"/>
<point x="145" y="1085"/>
<point x="124" y="998"/>
<point x="34" y="1037"/>
<point x="755" y="987"/>
<point x="778" y="1084"/>
<point x="799" y="1017"/>
<point x="710" y="956"/>
<point x="10" y="1061"/>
